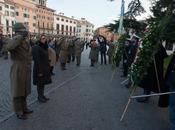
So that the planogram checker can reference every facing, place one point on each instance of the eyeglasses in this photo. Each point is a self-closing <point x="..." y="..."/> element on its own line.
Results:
<point x="43" y="38"/>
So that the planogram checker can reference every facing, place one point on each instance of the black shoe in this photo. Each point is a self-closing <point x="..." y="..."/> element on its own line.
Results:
<point x="78" y="64"/>
<point x="91" y="65"/>
<point x="142" y="100"/>
<point x="123" y="76"/>
<point x="28" y="111"/>
<point x="42" y="100"/>
<point x="52" y="74"/>
<point x="64" y="69"/>
<point x="21" y="116"/>
<point x="127" y="85"/>
<point x="47" y="99"/>
<point x="5" y="58"/>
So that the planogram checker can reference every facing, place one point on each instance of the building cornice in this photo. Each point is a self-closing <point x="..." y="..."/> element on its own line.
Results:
<point x="34" y="7"/>
<point x="2" y="2"/>
<point x="9" y="2"/>
<point x="44" y="7"/>
<point x="66" y="17"/>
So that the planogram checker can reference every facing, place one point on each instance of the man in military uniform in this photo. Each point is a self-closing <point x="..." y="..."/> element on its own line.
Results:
<point x="79" y="47"/>
<point x="63" y="52"/>
<point x="20" y="74"/>
<point x="71" y="51"/>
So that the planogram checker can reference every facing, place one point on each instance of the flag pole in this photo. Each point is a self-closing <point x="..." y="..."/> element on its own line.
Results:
<point x="120" y="29"/>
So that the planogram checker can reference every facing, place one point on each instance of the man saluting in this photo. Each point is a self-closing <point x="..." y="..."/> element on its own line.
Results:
<point x="20" y="74"/>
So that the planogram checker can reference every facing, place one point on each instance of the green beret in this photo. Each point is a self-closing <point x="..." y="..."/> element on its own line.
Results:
<point x="19" y="27"/>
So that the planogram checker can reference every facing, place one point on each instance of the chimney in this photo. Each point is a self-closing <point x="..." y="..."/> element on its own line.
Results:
<point x="83" y="19"/>
<point x="61" y="13"/>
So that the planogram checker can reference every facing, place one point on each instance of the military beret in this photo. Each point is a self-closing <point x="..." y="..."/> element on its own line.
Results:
<point x="19" y="27"/>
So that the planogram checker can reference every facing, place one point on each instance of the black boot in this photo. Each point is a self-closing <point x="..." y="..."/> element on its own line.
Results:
<point x="144" y="99"/>
<point x="40" y="90"/>
<point x="63" y="66"/>
<point x="21" y="116"/>
<point x="51" y="70"/>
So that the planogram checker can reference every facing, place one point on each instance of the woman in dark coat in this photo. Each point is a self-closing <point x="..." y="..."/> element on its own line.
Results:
<point x="41" y="69"/>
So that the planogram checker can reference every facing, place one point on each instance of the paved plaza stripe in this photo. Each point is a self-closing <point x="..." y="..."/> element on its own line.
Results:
<point x="50" y="91"/>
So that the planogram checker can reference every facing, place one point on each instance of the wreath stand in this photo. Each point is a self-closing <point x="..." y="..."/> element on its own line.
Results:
<point x="134" y="87"/>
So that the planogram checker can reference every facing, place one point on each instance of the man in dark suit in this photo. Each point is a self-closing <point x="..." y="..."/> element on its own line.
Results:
<point x="103" y="48"/>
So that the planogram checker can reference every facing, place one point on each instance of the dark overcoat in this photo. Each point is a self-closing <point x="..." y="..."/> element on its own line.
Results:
<point x="164" y="99"/>
<point x="41" y="68"/>
<point x="149" y="81"/>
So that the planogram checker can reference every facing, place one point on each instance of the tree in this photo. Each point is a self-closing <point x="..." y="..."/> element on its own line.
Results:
<point x="138" y="26"/>
<point x="134" y="9"/>
<point x="164" y="10"/>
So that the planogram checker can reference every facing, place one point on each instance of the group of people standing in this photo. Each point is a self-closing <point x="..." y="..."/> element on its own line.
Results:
<point x="99" y="45"/>
<point x="157" y="78"/>
<point x="43" y="52"/>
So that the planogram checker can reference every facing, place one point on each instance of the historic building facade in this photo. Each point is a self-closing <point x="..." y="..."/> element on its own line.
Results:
<point x="2" y="20"/>
<point x="41" y="19"/>
<point x="25" y="11"/>
<point x="9" y="17"/>
<point x="64" y="25"/>
<point x="106" y="33"/>
<point x="85" y="29"/>
<point x="45" y="19"/>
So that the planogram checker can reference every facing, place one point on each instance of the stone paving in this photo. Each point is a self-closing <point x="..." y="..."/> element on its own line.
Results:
<point x="82" y="98"/>
<point x="59" y="79"/>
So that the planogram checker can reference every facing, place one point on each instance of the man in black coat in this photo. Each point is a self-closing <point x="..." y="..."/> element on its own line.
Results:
<point x="103" y="48"/>
<point x="125" y="58"/>
<point x="132" y="52"/>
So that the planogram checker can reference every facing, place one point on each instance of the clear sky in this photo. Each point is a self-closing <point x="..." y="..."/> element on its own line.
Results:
<point x="98" y="12"/>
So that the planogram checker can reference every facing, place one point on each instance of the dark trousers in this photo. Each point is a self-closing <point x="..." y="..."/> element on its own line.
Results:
<point x="19" y="105"/>
<point x="68" y="58"/>
<point x="78" y="59"/>
<point x="103" y="57"/>
<point x="63" y="66"/>
<point x="51" y="69"/>
<point x="71" y="57"/>
<point x="92" y="62"/>
<point x="40" y="90"/>
<point x="125" y="69"/>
